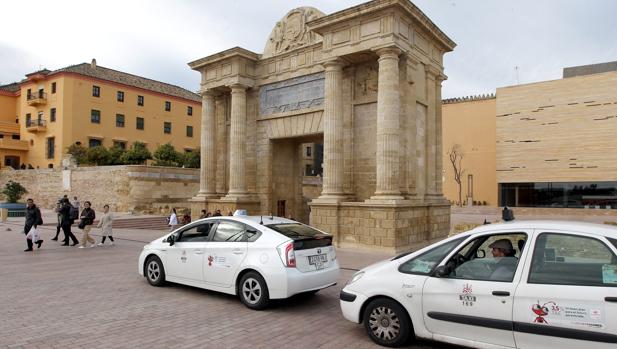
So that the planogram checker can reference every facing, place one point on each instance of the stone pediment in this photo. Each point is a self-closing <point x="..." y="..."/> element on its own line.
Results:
<point x="292" y="32"/>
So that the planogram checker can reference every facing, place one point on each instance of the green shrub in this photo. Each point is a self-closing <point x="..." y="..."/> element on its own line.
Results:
<point x="136" y="155"/>
<point x="166" y="155"/>
<point x="13" y="191"/>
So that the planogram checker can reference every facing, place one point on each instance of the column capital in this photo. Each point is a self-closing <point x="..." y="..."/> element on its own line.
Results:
<point x="237" y="87"/>
<point x="432" y="72"/>
<point x="440" y="78"/>
<point x="388" y="52"/>
<point x="207" y="94"/>
<point x="334" y="64"/>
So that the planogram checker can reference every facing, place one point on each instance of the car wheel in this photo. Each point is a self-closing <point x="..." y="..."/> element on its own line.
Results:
<point x="155" y="273"/>
<point x="254" y="291"/>
<point x="387" y="323"/>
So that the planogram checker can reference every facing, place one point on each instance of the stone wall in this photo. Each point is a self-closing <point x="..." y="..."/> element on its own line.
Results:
<point x="124" y="188"/>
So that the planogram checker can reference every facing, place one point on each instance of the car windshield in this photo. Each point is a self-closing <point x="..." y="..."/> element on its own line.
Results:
<point x="296" y="230"/>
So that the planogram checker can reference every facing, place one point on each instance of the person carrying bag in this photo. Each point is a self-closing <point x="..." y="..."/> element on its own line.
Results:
<point x="33" y="220"/>
<point x="87" y="219"/>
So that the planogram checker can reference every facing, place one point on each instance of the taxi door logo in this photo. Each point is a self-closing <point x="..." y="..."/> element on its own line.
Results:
<point x="210" y="260"/>
<point x="541" y="311"/>
<point x="183" y="258"/>
<point x="466" y="297"/>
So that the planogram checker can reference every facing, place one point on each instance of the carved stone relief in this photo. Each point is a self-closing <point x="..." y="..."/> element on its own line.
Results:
<point x="292" y="94"/>
<point x="366" y="81"/>
<point x="292" y="32"/>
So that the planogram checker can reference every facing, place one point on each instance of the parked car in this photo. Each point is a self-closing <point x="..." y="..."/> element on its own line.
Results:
<point x="256" y="258"/>
<point x="524" y="284"/>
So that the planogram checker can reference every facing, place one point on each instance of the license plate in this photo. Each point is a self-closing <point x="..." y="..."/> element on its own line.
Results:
<point x="318" y="260"/>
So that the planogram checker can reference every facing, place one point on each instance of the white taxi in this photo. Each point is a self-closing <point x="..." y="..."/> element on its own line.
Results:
<point x="525" y="284"/>
<point x="256" y="258"/>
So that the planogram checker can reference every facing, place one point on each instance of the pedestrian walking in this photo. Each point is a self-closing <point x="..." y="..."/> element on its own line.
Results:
<point x="33" y="220"/>
<point x="173" y="219"/>
<point x="217" y="213"/>
<point x="85" y="223"/>
<point x="67" y="221"/>
<point x="59" y="217"/>
<point x="105" y="223"/>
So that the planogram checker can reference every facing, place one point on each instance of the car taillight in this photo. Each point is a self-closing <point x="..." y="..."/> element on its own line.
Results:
<point x="286" y="252"/>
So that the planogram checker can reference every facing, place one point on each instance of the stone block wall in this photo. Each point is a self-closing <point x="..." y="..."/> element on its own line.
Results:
<point x="124" y="188"/>
<point x="392" y="228"/>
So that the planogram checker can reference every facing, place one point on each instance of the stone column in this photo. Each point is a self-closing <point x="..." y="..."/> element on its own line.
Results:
<point x="388" y="126"/>
<point x="438" y="136"/>
<point x="207" y="173"/>
<point x="431" y="134"/>
<point x="412" y="130"/>
<point x="237" y="139"/>
<point x="221" y="144"/>
<point x="333" y="132"/>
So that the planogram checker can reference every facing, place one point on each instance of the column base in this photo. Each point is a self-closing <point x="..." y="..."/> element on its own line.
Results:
<point x="436" y="199"/>
<point x="204" y="196"/>
<point x="332" y="198"/>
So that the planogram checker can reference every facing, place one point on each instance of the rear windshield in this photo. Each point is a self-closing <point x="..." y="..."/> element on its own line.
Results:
<point x="296" y="231"/>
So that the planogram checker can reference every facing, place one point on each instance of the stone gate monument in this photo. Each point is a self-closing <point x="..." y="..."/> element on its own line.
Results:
<point x="360" y="89"/>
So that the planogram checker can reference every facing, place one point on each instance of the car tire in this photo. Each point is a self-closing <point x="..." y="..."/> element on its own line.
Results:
<point x="387" y="323"/>
<point x="253" y="291"/>
<point x="154" y="271"/>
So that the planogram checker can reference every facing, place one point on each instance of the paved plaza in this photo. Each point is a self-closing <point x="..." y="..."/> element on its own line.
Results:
<point x="64" y="297"/>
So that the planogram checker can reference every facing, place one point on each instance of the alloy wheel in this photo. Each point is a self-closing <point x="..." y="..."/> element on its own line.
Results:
<point x="384" y="323"/>
<point x="154" y="272"/>
<point x="251" y="291"/>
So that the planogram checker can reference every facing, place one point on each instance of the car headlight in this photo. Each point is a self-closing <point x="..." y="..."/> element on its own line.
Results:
<point x="356" y="277"/>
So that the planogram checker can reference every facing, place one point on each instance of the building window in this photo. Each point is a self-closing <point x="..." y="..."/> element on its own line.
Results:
<point x="53" y="87"/>
<point x="96" y="91"/>
<point x="140" y="101"/>
<point x="52" y="115"/>
<point x="95" y="116"/>
<point x="189" y="131"/>
<point x="167" y="127"/>
<point x="28" y="119"/>
<point x="119" y="120"/>
<point x="167" y="106"/>
<point x="120" y="144"/>
<point x="51" y="147"/>
<point x="309" y="151"/>
<point x="18" y="137"/>
<point x="93" y="142"/>
<point x="588" y="195"/>
<point x="189" y="110"/>
<point x="29" y="94"/>
<point x="139" y="123"/>
<point x="120" y="96"/>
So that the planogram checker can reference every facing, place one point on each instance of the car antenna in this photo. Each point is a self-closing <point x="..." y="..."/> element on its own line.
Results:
<point x="271" y="216"/>
<point x="261" y="220"/>
<point x="486" y="222"/>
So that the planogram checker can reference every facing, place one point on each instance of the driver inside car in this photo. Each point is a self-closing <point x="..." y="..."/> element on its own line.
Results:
<point x="504" y="255"/>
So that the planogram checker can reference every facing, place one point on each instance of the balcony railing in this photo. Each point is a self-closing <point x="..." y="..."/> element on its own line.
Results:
<point x="36" y="125"/>
<point x="37" y="98"/>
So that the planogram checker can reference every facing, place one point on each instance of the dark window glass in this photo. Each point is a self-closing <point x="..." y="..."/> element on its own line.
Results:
<point x="119" y="120"/>
<point x="309" y="151"/>
<point x="52" y="115"/>
<point x="19" y="137"/>
<point x="29" y="94"/>
<point x="140" y="100"/>
<point x="563" y="259"/>
<point x="559" y="194"/>
<point x="229" y="231"/>
<point x="167" y="127"/>
<point x="51" y="146"/>
<point x="120" y="96"/>
<point x="295" y="230"/>
<point x="426" y="262"/>
<point x="120" y="144"/>
<point x="93" y="142"/>
<point x="95" y="116"/>
<point x="96" y="91"/>
<point x="308" y="170"/>
<point x="189" y="131"/>
<point x="139" y="123"/>
<point x="613" y="241"/>
<point x="28" y="119"/>
<point x="189" y="110"/>
<point x="53" y="87"/>
<point x="167" y="106"/>
<point x="197" y="233"/>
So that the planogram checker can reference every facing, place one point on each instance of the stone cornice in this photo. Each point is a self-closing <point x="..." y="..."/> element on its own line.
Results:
<point x="224" y="55"/>
<point x="320" y="25"/>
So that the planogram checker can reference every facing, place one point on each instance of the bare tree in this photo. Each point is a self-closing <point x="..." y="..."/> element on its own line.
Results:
<point x="456" y="156"/>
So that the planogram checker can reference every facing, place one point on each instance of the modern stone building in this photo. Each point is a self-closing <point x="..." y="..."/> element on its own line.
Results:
<point x="364" y="84"/>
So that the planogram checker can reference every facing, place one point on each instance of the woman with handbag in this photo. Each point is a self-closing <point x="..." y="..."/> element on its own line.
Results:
<point x="85" y="223"/>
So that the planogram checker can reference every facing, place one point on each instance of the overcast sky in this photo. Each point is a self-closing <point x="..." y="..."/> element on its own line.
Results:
<point x="156" y="38"/>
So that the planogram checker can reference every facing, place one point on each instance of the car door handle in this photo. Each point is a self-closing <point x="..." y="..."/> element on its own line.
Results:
<point x="199" y="252"/>
<point x="238" y="252"/>
<point x="501" y="293"/>
<point x="611" y="299"/>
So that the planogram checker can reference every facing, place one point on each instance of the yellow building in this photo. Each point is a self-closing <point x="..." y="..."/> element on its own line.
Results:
<point x="469" y="122"/>
<point x="92" y="105"/>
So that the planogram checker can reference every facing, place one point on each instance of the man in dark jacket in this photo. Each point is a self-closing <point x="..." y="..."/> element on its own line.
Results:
<point x="66" y="222"/>
<point x="33" y="219"/>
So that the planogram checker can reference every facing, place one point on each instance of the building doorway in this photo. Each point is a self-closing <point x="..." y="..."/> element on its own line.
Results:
<point x="12" y="161"/>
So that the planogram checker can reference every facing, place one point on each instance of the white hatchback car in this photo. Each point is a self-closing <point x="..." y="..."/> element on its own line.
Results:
<point x="525" y="284"/>
<point x="256" y="258"/>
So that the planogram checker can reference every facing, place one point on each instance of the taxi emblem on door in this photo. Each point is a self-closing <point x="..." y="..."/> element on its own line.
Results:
<point x="319" y="251"/>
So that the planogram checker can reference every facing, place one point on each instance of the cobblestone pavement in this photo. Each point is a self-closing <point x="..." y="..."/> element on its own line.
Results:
<point x="64" y="297"/>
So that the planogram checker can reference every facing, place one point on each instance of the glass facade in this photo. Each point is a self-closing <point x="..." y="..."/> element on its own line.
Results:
<point x="559" y="194"/>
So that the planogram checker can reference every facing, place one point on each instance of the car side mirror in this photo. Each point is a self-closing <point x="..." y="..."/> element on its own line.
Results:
<point x="171" y="239"/>
<point x="480" y="254"/>
<point x="442" y="271"/>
